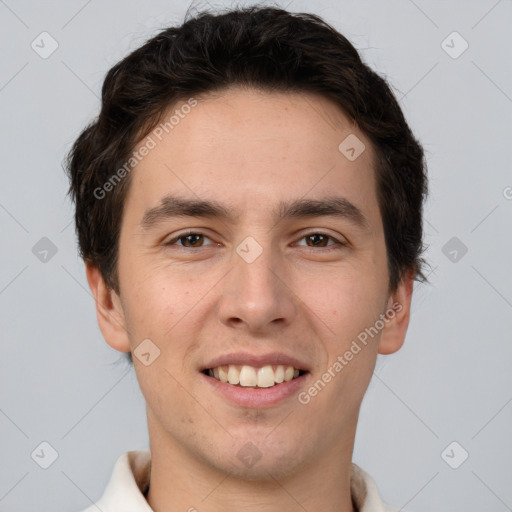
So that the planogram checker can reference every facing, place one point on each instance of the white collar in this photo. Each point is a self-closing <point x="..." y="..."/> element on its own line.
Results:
<point x="130" y="480"/>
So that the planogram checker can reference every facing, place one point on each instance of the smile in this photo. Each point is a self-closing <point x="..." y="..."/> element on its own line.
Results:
<point x="254" y="377"/>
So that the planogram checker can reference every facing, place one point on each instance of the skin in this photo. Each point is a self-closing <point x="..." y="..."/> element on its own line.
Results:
<point x="197" y="299"/>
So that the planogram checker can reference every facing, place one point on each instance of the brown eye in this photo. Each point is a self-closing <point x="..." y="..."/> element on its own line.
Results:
<point x="321" y="240"/>
<point x="193" y="240"/>
<point x="189" y="240"/>
<point x="317" y="240"/>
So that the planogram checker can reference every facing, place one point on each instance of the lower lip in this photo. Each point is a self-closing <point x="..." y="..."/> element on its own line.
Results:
<point x="257" y="397"/>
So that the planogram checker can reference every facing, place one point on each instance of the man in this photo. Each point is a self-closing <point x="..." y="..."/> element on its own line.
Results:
<point x="249" y="209"/>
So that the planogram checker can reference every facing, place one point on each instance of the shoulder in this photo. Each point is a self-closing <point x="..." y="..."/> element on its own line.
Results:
<point x="129" y="480"/>
<point x="365" y="494"/>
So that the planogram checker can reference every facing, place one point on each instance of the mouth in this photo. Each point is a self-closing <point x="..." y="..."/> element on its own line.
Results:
<point x="245" y="376"/>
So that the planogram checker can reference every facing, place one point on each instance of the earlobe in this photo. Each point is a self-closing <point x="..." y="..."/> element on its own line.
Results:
<point x="397" y="316"/>
<point x="109" y="310"/>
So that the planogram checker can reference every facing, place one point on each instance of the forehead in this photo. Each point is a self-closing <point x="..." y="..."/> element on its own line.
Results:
<point x="249" y="148"/>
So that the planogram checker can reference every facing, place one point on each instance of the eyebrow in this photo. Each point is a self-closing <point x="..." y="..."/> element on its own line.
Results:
<point x="174" y="206"/>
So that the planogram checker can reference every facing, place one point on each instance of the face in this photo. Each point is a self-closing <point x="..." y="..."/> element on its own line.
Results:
<point x="283" y="264"/>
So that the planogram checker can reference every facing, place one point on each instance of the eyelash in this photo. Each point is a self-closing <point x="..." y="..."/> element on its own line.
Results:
<point x="188" y="233"/>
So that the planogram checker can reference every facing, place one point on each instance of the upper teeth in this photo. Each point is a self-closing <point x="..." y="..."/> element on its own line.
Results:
<point x="247" y="376"/>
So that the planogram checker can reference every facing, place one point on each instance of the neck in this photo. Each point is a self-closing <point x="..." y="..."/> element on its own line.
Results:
<point x="182" y="482"/>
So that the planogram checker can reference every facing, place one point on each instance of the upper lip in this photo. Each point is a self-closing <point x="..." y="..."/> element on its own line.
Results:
<point x="256" y="360"/>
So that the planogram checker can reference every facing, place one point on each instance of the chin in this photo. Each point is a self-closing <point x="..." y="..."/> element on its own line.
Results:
<point x="257" y="458"/>
<point x="265" y="471"/>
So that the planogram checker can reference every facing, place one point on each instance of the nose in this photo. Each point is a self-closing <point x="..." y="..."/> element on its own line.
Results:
<point x="257" y="295"/>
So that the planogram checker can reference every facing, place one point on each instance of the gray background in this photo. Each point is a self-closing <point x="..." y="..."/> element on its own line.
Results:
<point x="60" y="382"/>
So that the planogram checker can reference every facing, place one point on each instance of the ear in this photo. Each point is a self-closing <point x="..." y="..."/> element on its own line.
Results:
<point x="109" y="310"/>
<point x="398" y="312"/>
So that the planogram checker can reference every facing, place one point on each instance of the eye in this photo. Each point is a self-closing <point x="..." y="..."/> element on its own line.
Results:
<point x="319" y="239"/>
<point x="194" y="240"/>
<point x="190" y="239"/>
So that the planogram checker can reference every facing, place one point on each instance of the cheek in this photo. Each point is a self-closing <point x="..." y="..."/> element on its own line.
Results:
<point x="348" y="303"/>
<point x="164" y="305"/>
<point x="151" y="305"/>
<point x="351" y="345"/>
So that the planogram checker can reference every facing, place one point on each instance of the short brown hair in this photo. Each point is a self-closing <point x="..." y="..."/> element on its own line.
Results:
<point x="263" y="47"/>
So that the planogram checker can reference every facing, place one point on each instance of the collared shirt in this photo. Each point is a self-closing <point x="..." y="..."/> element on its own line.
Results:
<point x="130" y="481"/>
